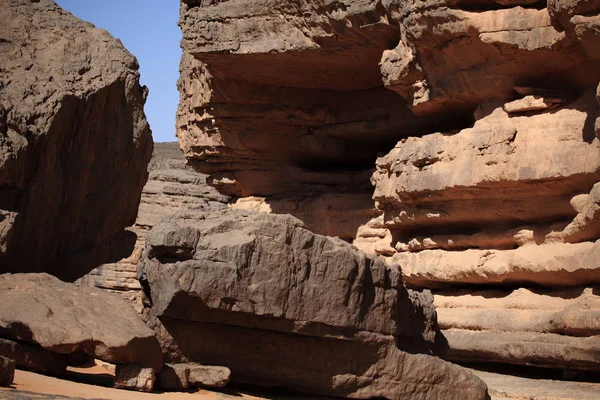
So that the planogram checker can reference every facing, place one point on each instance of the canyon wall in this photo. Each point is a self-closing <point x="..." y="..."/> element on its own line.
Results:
<point x="74" y="142"/>
<point x="459" y="139"/>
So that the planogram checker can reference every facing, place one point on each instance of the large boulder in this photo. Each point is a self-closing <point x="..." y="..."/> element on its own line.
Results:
<point x="74" y="142"/>
<point x="303" y="311"/>
<point x="65" y="318"/>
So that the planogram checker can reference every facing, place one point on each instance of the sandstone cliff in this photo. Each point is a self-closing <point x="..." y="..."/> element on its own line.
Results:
<point x="74" y="142"/>
<point x="481" y="119"/>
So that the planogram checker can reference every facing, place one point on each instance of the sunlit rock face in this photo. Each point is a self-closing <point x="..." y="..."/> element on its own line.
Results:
<point x="476" y="122"/>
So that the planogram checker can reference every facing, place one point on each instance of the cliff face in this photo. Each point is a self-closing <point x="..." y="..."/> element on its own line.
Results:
<point x="481" y="119"/>
<point x="74" y="142"/>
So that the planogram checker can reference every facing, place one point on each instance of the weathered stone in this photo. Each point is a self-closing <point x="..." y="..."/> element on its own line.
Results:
<point x="532" y="103"/>
<point x="172" y="186"/>
<point x="34" y="358"/>
<point x="191" y="375"/>
<point x="308" y="312"/>
<point x="580" y="19"/>
<point x="504" y="199"/>
<point x="65" y="318"/>
<point x="509" y="386"/>
<point x="550" y="328"/>
<point x="174" y="377"/>
<point x="329" y="214"/>
<point x="74" y="142"/>
<point x="209" y="376"/>
<point x="494" y="172"/>
<point x="273" y="105"/>
<point x="548" y="265"/>
<point x="134" y="377"/>
<point x="7" y="371"/>
<point x="540" y="349"/>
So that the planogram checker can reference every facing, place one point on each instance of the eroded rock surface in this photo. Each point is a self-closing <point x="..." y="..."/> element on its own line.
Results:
<point x="493" y="109"/>
<point x="172" y="186"/>
<point x="64" y="318"/>
<point x="511" y="202"/>
<point x="550" y="328"/>
<point x="34" y="358"/>
<point x="308" y="312"/>
<point x="74" y="142"/>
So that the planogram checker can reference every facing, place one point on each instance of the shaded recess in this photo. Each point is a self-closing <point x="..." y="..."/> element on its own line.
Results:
<point x="307" y="112"/>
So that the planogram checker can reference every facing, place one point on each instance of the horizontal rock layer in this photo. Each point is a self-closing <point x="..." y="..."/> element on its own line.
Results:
<point x="556" y="329"/>
<point x="74" y="142"/>
<point x="511" y="202"/>
<point x="64" y="318"/>
<point x="271" y="105"/>
<point x="493" y="110"/>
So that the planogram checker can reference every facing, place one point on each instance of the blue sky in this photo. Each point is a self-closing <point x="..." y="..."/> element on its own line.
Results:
<point x="148" y="29"/>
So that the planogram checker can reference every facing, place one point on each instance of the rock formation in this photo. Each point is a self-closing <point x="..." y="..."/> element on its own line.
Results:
<point x="307" y="312"/>
<point x="7" y="371"/>
<point x="172" y="187"/>
<point x="549" y="328"/>
<point x="190" y="375"/>
<point x="74" y="142"/>
<point x="509" y="203"/>
<point x="486" y="148"/>
<point x="39" y="310"/>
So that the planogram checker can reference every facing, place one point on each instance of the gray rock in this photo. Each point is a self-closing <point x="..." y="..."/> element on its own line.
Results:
<point x="7" y="371"/>
<point x="172" y="186"/>
<point x="208" y="376"/>
<point x="134" y="377"/>
<point x="65" y="318"/>
<point x="301" y="310"/>
<point x="34" y="358"/>
<point x="191" y="375"/>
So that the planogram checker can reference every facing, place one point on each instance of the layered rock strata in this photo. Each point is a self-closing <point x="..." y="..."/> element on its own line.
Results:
<point x="549" y="328"/>
<point x="511" y="202"/>
<point x="307" y="312"/>
<point x="172" y="186"/>
<point x="40" y="311"/>
<point x="286" y="102"/>
<point x="67" y="90"/>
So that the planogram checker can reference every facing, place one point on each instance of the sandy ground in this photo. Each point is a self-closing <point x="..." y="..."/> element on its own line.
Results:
<point x="31" y="386"/>
<point x="27" y="384"/>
